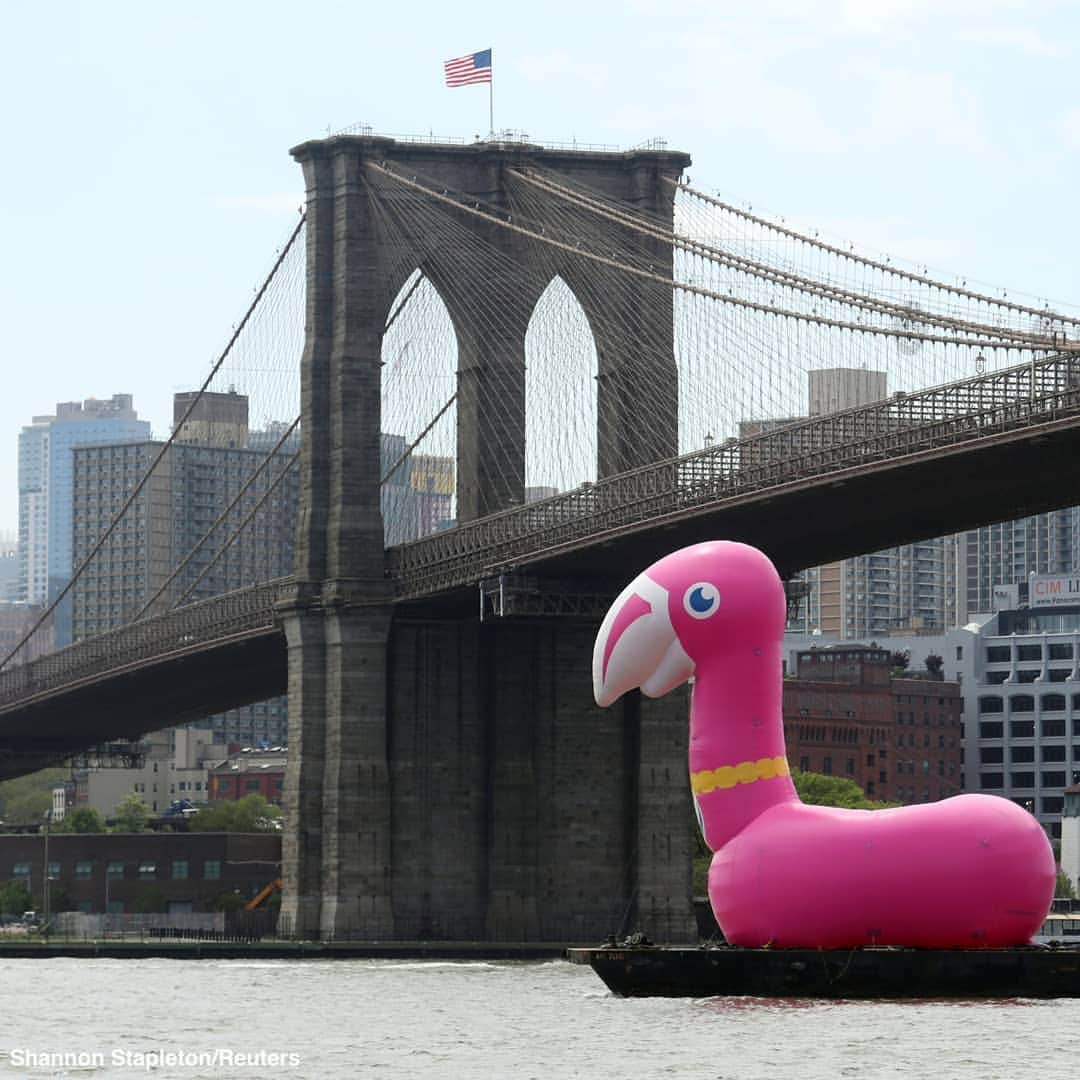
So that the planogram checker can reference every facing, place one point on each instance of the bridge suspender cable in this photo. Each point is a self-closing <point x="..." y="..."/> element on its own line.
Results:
<point x="220" y="519"/>
<point x="114" y="524"/>
<point x="986" y="341"/>
<point x="886" y="268"/>
<point x="782" y="278"/>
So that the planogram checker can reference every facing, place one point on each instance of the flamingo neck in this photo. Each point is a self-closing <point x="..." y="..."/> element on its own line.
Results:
<point x="738" y="762"/>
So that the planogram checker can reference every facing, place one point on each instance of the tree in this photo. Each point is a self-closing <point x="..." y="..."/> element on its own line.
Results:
<point x="1064" y="886"/>
<point x="252" y="813"/>
<point x="934" y="666"/>
<point x="131" y="814"/>
<point x="899" y="661"/>
<point x="817" y="789"/>
<point x="14" y="898"/>
<point x="83" y="820"/>
<point x="26" y="799"/>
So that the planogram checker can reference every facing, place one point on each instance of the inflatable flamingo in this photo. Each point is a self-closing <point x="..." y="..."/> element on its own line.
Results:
<point x="967" y="872"/>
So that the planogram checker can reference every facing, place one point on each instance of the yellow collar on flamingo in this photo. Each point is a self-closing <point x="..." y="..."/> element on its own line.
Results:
<point x="746" y="772"/>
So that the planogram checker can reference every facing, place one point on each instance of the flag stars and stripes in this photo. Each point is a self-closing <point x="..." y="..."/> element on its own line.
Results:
<point x="474" y="68"/>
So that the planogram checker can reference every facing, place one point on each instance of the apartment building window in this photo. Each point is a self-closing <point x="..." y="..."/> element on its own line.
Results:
<point x="991" y="781"/>
<point x="1022" y="703"/>
<point x="1029" y="652"/>
<point x="991" y="729"/>
<point x="1022" y="779"/>
<point x="991" y="704"/>
<point x="1022" y="729"/>
<point x="180" y="869"/>
<point x="991" y="755"/>
<point x="147" y="870"/>
<point x="212" y="870"/>
<point x="1052" y="728"/>
<point x="84" y="870"/>
<point x="1053" y="779"/>
<point x="1021" y="754"/>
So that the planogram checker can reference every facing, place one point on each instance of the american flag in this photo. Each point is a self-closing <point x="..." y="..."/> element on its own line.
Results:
<point x="474" y="68"/>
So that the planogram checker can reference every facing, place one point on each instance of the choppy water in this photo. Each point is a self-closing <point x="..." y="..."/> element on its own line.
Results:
<point x="487" y="1021"/>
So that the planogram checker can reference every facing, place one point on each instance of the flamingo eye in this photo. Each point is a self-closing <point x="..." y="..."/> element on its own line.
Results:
<point x="702" y="600"/>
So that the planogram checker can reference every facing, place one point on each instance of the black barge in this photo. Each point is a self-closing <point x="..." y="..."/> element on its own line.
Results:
<point x="866" y="973"/>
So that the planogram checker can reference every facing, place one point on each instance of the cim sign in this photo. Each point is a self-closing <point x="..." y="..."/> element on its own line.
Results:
<point x="1046" y="591"/>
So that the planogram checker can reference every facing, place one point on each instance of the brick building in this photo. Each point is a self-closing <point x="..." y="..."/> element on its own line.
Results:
<point x="127" y="872"/>
<point x="250" y="771"/>
<point x="898" y="739"/>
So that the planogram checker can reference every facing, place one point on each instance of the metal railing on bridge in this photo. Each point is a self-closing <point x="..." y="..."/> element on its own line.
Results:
<point x="900" y="425"/>
<point x="799" y="451"/>
<point x="188" y="628"/>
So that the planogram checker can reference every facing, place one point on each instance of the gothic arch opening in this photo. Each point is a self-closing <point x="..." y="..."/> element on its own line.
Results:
<point x="419" y="414"/>
<point x="560" y="394"/>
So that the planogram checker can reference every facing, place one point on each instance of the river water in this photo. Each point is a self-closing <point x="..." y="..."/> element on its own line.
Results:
<point x="403" y="1020"/>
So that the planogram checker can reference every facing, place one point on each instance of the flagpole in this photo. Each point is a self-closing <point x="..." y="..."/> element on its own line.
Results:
<point x="491" y="98"/>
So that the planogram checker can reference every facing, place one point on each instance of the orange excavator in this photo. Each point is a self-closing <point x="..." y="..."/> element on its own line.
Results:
<point x="262" y="894"/>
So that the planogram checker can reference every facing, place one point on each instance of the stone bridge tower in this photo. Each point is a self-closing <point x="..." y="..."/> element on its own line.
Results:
<point x="367" y="797"/>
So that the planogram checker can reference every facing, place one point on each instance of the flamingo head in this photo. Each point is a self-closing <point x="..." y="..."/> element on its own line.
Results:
<point x="694" y="603"/>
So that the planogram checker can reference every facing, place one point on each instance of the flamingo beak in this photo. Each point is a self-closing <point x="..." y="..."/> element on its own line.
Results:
<point x="637" y="645"/>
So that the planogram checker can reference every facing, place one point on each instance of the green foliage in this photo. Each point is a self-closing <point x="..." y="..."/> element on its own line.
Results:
<point x="819" y="790"/>
<point x="252" y="813"/>
<point x="1064" y="886"/>
<point x="15" y="898"/>
<point x="899" y="662"/>
<point x="934" y="665"/>
<point x="83" y="820"/>
<point x="26" y="799"/>
<point x="131" y="814"/>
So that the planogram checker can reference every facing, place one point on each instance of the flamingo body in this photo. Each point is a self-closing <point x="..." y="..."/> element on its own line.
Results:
<point x="970" y="871"/>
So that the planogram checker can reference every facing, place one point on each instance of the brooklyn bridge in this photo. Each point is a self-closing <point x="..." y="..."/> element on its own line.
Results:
<point x="606" y="363"/>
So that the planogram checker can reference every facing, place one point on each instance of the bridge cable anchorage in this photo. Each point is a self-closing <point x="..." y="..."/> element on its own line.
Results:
<point x="759" y="269"/>
<point x="193" y="404"/>
<point x="885" y="267"/>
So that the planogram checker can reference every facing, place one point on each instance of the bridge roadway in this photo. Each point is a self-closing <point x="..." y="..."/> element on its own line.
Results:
<point x="912" y="467"/>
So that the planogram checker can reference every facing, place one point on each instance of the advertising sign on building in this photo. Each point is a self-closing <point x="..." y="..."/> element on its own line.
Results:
<point x="1051" y="590"/>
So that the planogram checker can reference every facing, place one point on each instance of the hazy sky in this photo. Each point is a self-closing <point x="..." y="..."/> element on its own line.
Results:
<point x="147" y="180"/>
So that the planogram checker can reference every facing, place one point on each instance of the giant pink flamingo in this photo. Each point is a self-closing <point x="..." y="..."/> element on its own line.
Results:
<point x="971" y="871"/>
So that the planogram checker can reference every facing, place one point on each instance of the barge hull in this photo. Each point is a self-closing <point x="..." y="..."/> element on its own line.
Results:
<point x="871" y="973"/>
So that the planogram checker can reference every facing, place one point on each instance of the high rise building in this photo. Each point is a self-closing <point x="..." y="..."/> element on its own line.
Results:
<point x="46" y="449"/>
<point x="911" y="587"/>
<point x="209" y="468"/>
<point x="9" y="568"/>
<point x="1006" y="553"/>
